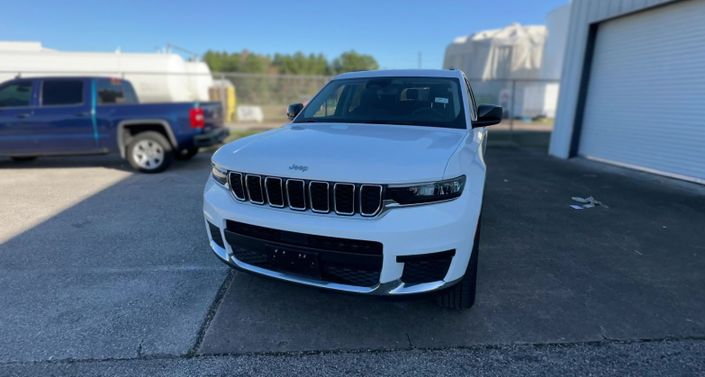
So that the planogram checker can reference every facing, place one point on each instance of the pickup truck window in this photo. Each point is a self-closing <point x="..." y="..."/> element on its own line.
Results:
<point x="112" y="91"/>
<point x="16" y="94"/>
<point x="416" y="101"/>
<point x="62" y="92"/>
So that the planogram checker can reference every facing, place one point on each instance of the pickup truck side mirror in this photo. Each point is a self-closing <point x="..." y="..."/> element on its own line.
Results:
<point x="487" y="115"/>
<point x="294" y="110"/>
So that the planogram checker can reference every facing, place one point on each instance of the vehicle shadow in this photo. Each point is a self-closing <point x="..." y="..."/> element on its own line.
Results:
<point x="93" y="161"/>
<point x="96" y="262"/>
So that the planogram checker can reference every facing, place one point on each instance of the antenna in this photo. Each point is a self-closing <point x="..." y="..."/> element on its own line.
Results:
<point x="170" y="46"/>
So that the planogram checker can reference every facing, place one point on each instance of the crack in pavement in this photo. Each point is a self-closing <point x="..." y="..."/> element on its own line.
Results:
<point x="499" y="346"/>
<point x="211" y="314"/>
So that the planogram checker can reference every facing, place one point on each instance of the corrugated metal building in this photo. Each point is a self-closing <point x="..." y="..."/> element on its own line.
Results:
<point x="633" y="86"/>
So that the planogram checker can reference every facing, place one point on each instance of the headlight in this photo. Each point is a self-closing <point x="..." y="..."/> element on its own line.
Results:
<point x="219" y="174"/>
<point x="427" y="192"/>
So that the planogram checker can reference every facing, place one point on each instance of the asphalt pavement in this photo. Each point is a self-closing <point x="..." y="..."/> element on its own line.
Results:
<point x="107" y="272"/>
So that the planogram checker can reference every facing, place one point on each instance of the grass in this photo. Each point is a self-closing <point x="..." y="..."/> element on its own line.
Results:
<point x="237" y="134"/>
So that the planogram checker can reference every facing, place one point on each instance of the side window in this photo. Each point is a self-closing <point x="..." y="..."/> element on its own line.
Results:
<point x="62" y="92"/>
<point x="115" y="91"/>
<point x="18" y="94"/>
<point x="130" y="95"/>
<point x="110" y="91"/>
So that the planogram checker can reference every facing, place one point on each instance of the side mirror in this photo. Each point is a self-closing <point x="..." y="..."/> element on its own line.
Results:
<point x="294" y="110"/>
<point x="487" y="115"/>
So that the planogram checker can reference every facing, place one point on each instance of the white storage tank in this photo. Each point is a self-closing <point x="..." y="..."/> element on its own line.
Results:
<point x="157" y="77"/>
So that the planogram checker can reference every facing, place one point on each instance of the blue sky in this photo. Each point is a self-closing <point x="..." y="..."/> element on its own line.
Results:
<point x="394" y="31"/>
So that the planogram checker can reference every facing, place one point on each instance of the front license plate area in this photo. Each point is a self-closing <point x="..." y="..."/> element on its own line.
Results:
<point x="293" y="260"/>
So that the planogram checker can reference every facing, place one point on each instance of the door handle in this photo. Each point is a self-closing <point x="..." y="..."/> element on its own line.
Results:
<point x="83" y="114"/>
<point x="23" y="115"/>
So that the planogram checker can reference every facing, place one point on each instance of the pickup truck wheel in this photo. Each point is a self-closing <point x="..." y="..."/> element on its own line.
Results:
<point x="23" y="158"/>
<point x="186" y="154"/>
<point x="149" y="152"/>
<point x="462" y="295"/>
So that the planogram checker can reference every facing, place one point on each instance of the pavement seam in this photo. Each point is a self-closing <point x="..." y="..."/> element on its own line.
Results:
<point x="217" y="300"/>
<point x="187" y="356"/>
<point x="408" y="338"/>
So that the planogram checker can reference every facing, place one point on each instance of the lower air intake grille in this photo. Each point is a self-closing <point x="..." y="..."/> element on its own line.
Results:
<point x="215" y="235"/>
<point x="339" y="260"/>
<point x="425" y="268"/>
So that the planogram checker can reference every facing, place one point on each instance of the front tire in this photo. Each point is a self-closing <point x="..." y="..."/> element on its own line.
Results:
<point x="462" y="295"/>
<point x="149" y="152"/>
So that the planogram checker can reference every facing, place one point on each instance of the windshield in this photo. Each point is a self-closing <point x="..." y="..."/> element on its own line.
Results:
<point x="417" y="101"/>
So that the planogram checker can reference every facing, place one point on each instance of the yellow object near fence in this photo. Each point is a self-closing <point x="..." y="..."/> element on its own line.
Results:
<point x="226" y="94"/>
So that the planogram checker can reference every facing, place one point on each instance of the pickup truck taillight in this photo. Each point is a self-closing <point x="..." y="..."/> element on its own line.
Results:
<point x="197" y="118"/>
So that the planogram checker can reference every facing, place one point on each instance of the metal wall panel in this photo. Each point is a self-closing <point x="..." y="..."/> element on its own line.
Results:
<point x="645" y="104"/>
<point x="583" y="14"/>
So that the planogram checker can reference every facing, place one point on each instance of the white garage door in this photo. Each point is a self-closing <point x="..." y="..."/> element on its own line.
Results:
<point x="645" y="104"/>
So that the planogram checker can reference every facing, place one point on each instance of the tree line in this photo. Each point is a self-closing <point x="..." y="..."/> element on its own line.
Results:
<point x="295" y="64"/>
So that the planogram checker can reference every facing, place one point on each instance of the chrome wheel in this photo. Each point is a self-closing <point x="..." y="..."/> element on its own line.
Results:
<point x="148" y="154"/>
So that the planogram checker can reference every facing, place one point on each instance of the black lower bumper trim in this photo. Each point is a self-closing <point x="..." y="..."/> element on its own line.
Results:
<point x="343" y="267"/>
<point x="215" y="234"/>
<point x="425" y="268"/>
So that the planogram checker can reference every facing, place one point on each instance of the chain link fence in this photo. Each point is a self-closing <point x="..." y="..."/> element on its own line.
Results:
<point x="528" y="104"/>
<point x="264" y="98"/>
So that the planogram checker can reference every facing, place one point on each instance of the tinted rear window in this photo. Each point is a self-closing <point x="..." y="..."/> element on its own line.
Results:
<point x="62" y="92"/>
<point x="16" y="94"/>
<point x="115" y="91"/>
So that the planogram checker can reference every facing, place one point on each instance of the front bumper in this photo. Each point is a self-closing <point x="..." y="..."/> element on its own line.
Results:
<point x="404" y="232"/>
<point x="210" y="138"/>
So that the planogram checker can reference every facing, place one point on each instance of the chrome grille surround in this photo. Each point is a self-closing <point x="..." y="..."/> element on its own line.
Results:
<point x="303" y="193"/>
<point x="306" y="195"/>
<point x="257" y="190"/>
<point x="379" y="205"/>
<point x="335" y="199"/>
<point x="279" y="198"/>
<point x="310" y="196"/>
<point x="241" y="186"/>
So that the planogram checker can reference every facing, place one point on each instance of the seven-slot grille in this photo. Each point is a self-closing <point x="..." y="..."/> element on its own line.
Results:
<point x="318" y="196"/>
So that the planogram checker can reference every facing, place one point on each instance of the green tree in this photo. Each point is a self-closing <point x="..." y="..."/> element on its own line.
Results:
<point x="353" y="61"/>
<point x="243" y="61"/>
<point x="300" y="64"/>
<point x="294" y="64"/>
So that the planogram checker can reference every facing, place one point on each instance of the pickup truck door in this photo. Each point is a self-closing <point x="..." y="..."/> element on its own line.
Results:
<point x="63" y="119"/>
<point x="16" y="108"/>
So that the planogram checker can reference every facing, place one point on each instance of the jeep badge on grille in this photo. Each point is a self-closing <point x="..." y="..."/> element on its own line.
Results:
<point x="300" y="168"/>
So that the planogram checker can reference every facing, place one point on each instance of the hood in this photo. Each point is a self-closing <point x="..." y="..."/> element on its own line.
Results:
<point x="358" y="153"/>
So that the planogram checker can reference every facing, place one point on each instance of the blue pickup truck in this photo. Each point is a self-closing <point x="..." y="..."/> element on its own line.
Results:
<point x="48" y="116"/>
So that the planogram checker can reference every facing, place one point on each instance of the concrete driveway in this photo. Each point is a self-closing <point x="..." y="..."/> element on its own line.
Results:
<point x="106" y="272"/>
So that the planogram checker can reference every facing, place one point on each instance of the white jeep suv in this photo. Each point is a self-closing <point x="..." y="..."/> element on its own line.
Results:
<point x="374" y="187"/>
